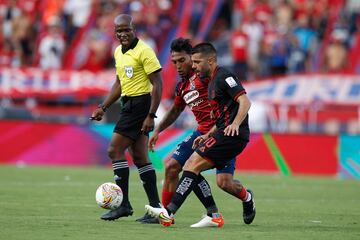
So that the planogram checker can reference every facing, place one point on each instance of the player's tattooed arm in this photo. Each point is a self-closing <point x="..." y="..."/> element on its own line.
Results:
<point x="168" y="119"/>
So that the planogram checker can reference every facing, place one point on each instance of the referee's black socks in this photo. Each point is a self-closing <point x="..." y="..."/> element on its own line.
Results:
<point x="148" y="178"/>
<point x="121" y="177"/>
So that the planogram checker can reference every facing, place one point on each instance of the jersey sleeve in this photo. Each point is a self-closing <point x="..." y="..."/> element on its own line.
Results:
<point x="178" y="100"/>
<point x="232" y="86"/>
<point x="150" y="61"/>
<point x="116" y="53"/>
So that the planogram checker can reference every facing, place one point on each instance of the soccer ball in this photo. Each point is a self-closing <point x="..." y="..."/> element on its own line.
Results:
<point x="109" y="196"/>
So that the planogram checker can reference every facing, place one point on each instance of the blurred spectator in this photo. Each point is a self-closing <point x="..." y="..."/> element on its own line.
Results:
<point x="50" y="9"/>
<point x="284" y="15"/>
<point x="279" y="55"/>
<point x="7" y="54"/>
<point x="266" y="48"/>
<point x="79" y="11"/>
<point x="8" y="13"/>
<point x="262" y="11"/>
<point x="255" y="32"/>
<point x="197" y="12"/>
<point x="219" y="36"/>
<point x="23" y="38"/>
<point x="149" y="40"/>
<point x="52" y="46"/>
<point x="98" y="51"/>
<point x="238" y="9"/>
<point x="336" y="56"/>
<point x="298" y="59"/>
<point x="305" y="34"/>
<point x="239" y="42"/>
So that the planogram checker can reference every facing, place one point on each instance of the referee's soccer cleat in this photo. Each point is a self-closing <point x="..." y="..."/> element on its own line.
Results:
<point x="215" y="221"/>
<point x="122" y="211"/>
<point x="160" y="213"/>
<point x="148" y="219"/>
<point x="249" y="209"/>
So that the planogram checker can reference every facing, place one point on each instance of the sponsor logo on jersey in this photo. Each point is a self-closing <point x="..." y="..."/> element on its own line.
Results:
<point x="195" y="104"/>
<point x="191" y="96"/>
<point x="231" y="82"/>
<point x="129" y="71"/>
<point x="192" y="85"/>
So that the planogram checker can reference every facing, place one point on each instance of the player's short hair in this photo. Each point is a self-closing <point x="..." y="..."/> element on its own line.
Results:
<point x="181" y="44"/>
<point x="204" y="48"/>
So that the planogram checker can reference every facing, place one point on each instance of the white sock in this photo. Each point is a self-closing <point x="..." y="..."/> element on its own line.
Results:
<point x="248" y="197"/>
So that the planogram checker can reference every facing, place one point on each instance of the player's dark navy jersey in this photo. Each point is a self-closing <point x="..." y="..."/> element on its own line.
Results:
<point x="224" y="89"/>
<point x="193" y="93"/>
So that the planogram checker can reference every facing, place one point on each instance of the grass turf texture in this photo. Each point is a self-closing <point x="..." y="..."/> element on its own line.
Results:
<point x="59" y="203"/>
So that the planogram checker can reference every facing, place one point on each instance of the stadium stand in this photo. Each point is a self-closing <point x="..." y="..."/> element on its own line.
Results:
<point x="259" y="39"/>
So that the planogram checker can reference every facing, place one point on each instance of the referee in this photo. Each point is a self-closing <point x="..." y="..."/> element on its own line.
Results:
<point x="139" y="86"/>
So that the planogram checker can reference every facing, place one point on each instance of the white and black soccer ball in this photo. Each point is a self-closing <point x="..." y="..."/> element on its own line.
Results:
<point x="109" y="195"/>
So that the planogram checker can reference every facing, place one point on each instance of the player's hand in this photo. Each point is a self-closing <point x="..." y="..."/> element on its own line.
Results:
<point x="199" y="140"/>
<point x="97" y="115"/>
<point x="148" y="125"/>
<point x="212" y="114"/>
<point x="153" y="140"/>
<point x="232" y="130"/>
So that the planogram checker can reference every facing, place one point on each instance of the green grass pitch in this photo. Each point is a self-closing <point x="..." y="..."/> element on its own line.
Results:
<point x="59" y="203"/>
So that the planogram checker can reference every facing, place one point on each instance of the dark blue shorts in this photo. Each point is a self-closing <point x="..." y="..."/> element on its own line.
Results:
<point x="184" y="150"/>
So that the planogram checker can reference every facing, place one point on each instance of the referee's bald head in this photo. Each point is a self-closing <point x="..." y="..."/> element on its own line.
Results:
<point x="124" y="19"/>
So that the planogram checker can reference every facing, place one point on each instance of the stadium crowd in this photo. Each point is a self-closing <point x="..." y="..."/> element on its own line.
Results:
<point x="257" y="38"/>
<point x="49" y="34"/>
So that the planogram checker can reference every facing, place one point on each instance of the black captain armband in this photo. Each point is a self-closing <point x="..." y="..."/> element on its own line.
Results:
<point x="152" y="115"/>
<point x="102" y="106"/>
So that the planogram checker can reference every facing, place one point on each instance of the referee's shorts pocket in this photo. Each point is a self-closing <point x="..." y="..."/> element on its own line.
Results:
<point x="126" y="104"/>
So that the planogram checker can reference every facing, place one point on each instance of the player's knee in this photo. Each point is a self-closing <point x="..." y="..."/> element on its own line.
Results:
<point x="172" y="169"/>
<point x="111" y="152"/>
<point x="115" y="154"/>
<point x="140" y="160"/>
<point x="224" y="183"/>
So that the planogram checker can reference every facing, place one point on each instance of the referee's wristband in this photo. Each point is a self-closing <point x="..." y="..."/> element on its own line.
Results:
<point x="152" y="115"/>
<point x="102" y="106"/>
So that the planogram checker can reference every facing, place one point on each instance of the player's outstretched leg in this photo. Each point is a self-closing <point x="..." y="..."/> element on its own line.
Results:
<point x="232" y="186"/>
<point x="249" y="210"/>
<point x="213" y="218"/>
<point x="216" y="220"/>
<point x="161" y="213"/>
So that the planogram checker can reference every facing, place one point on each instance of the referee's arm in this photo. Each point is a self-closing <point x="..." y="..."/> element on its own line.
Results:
<point x="156" y="81"/>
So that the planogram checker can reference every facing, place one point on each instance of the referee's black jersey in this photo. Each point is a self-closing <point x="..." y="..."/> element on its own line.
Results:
<point x="224" y="88"/>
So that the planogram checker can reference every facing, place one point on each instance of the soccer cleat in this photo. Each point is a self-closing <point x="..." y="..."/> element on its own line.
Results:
<point x="122" y="211"/>
<point x="249" y="209"/>
<point x="160" y="213"/>
<point x="148" y="219"/>
<point x="215" y="221"/>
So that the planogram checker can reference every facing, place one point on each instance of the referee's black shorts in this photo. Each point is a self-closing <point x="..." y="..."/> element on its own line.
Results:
<point x="133" y="112"/>
<point x="220" y="149"/>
